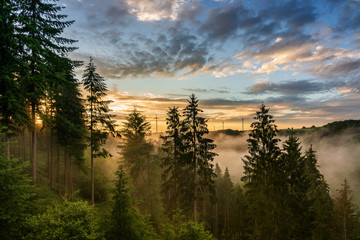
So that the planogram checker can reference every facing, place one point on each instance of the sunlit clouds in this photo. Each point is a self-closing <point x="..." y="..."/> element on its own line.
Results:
<point x="300" y="58"/>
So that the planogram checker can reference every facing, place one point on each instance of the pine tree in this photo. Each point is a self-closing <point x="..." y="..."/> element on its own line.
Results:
<point x="264" y="181"/>
<point x="143" y="167"/>
<point x="99" y="121"/>
<point x="126" y="222"/>
<point x="69" y="118"/>
<point x="318" y="194"/>
<point x="39" y="26"/>
<point x="199" y="153"/>
<point x="298" y="186"/>
<point x="345" y="213"/>
<point x="173" y="162"/>
<point x="13" y="114"/>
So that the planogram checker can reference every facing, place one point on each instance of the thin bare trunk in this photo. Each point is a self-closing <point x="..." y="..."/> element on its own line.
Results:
<point x="33" y="152"/>
<point x="48" y="153"/>
<point x="91" y="155"/>
<point x="51" y="159"/>
<point x="65" y="171"/>
<point x="70" y="180"/>
<point x="58" y="169"/>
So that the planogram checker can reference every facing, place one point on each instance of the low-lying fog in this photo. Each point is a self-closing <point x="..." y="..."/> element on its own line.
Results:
<point x="338" y="157"/>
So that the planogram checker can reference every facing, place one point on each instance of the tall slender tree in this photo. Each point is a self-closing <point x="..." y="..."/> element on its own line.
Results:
<point x="99" y="120"/>
<point x="173" y="161"/>
<point x="13" y="113"/>
<point x="322" y="204"/>
<point x="263" y="178"/>
<point x="199" y="150"/>
<point x="40" y="25"/>
<point x="137" y="155"/>
<point x="346" y="220"/>
<point x="298" y="186"/>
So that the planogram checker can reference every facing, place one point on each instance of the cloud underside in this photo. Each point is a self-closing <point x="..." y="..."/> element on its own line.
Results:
<point x="186" y="38"/>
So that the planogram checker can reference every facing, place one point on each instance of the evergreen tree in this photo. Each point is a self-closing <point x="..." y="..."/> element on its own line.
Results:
<point x="13" y="114"/>
<point x="39" y="26"/>
<point x="318" y="194"/>
<point x="173" y="161"/>
<point x="346" y="222"/>
<point x="298" y="186"/>
<point x="264" y="181"/>
<point x="137" y="156"/>
<point x="126" y="222"/>
<point x="99" y="121"/>
<point x="199" y="153"/>
<point x="70" y="123"/>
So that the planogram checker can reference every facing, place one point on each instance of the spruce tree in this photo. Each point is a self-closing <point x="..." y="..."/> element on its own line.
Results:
<point x="13" y="113"/>
<point x="173" y="161"/>
<point x="199" y="150"/>
<point x="264" y="179"/>
<point x="318" y="194"/>
<point x="346" y="222"/>
<point x="99" y="120"/>
<point x="39" y="26"/>
<point x="137" y="155"/>
<point x="126" y="222"/>
<point x="298" y="186"/>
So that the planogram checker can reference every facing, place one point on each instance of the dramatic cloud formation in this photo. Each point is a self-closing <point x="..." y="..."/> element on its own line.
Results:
<point x="301" y="58"/>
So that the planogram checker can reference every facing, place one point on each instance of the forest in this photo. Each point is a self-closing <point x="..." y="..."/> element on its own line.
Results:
<point x="60" y="178"/>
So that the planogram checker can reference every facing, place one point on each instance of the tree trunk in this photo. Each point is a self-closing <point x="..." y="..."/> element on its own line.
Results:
<point x="58" y="169"/>
<point x="65" y="171"/>
<point x="91" y="153"/>
<point x="216" y="220"/>
<point x="48" y="153"/>
<point x="70" y="180"/>
<point x="33" y="152"/>
<point x="24" y="146"/>
<point x="51" y="159"/>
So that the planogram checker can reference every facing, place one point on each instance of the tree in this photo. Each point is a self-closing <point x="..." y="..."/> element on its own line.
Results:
<point x="318" y="194"/>
<point x="13" y="112"/>
<point x="126" y="222"/>
<point x="298" y="186"/>
<point x="39" y="27"/>
<point x="199" y="152"/>
<point x="263" y="178"/>
<point x="16" y="192"/>
<point x="345" y="213"/>
<point x="99" y="121"/>
<point x="69" y="119"/>
<point x="173" y="161"/>
<point x="137" y="156"/>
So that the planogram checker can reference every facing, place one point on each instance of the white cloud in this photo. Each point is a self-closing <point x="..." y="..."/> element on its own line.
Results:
<point x="155" y="10"/>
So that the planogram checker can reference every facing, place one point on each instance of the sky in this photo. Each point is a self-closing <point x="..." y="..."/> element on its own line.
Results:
<point x="300" y="58"/>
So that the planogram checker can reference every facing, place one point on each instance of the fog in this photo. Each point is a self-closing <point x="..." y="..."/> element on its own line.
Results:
<point x="338" y="156"/>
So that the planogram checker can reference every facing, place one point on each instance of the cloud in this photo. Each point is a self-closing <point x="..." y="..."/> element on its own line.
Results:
<point x="202" y="90"/>
<point x="294" y="87"/>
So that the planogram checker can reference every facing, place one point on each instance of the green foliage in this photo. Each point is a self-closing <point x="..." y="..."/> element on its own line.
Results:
<point x="264" y="181"/>
<point x="180" y="229"/>
<point x="70" y="220"/>
<point x="173" y="161"/>
<point x="126" y="222"/>
<point x="15" y="195"/>
<point x="318" y="194"/>
<point x="298" y="186"/>
<point x="99" y="121"/>
<point x="346" y="222"/>
<point x="137" y="154"/>
<point x="199" y="153"/>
